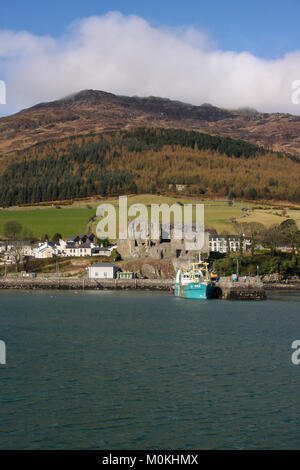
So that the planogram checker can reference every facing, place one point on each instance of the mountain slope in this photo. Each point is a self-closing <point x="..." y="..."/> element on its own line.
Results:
<point x="93" y="111"/>
<point x="145" y="161"/>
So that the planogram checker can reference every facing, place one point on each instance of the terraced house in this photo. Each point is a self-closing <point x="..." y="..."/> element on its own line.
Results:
<point x="218" y="243"/>
<point x="79" y="245"/>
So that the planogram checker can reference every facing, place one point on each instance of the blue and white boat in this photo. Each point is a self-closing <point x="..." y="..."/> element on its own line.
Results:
<point x="194" y="283"/>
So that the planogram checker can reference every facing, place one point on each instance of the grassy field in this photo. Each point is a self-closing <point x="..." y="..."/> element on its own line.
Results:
<point x="217" y="213"/>
<point x="271" y="217"/>
<point x="67" y="221"/>
<point x="74" y="219"/>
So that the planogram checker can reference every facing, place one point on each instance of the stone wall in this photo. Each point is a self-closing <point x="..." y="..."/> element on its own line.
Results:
<point x="82" y="284"/>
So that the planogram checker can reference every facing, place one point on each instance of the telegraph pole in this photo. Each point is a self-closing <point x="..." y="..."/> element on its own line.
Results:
<point x="57" y="269"/>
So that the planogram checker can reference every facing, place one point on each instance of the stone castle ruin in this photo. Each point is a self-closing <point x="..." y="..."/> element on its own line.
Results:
<point x="164" y="246"/>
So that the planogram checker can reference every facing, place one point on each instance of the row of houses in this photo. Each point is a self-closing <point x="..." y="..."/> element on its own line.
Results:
<point x="218" y="243"/>
<point x="86" y="245"/>
<point x="77" y="246"/>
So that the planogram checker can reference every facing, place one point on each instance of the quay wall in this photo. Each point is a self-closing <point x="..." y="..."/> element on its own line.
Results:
<point x="236" y="293"/>
<point x="76" y="284"/>
<point x="253" y="289"/>
<point x="226" y="290"/>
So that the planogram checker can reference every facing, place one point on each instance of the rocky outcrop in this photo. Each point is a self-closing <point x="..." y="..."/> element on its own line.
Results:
<point x="149" y="268"/>
<point x="276" y="278"/>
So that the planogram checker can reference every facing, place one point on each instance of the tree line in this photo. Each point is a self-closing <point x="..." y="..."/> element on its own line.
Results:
<point x="265" y="256"/>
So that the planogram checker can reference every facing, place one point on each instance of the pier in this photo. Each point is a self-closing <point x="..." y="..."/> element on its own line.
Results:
<point x="252" y="289"/>
<point x="243" y="293"/>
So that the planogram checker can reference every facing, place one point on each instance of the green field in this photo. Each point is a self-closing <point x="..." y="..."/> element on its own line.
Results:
<point x="67" y="221"/>
<point x="73" y="219"/>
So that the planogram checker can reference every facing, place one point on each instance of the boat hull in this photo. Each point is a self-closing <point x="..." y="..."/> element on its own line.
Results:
<point x="195" y="290"/>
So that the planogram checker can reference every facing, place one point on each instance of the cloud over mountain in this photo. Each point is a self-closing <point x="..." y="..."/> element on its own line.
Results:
<point x="126" y="55"/>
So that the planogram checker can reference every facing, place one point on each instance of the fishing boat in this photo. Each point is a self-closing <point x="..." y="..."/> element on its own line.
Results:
<point x="194" y="283"/>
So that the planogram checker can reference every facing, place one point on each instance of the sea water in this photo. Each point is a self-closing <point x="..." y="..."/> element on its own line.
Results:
<point x="145" y="370"/>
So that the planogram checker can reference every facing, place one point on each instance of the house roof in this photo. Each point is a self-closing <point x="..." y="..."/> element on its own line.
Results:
<point x="53" y="244"/>
<point x="231" y="237"/>
<point x="76" y="238"/>
<point x="103" y="265"/>
<point x="70" y="245"/>
<point x="86" y="235"/>
<point x="73" y="239"/>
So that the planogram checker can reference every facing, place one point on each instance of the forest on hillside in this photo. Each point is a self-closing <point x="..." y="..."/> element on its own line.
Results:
<point x="148" y="161"/>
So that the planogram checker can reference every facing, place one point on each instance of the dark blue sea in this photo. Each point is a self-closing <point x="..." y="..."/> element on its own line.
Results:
<point x="136" y="370"/>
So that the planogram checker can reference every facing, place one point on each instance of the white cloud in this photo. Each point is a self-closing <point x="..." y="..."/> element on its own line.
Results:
<point x="126" y="55"/>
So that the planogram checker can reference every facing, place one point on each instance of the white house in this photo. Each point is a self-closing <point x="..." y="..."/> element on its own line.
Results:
<point x="103" y="251"/>
<point x="219" y="243"/>
<point x="28" y="250"/>
<point x="100" y="251"/>
<point x="102" y="271"/>
<point x="79" y="245"/>
<point x="46" y="250"/>
<point x="75" y="249"/>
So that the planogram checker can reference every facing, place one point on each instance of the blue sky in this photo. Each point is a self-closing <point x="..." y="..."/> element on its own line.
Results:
<point x="266" y="28"/>
<point x="228" y="53"/>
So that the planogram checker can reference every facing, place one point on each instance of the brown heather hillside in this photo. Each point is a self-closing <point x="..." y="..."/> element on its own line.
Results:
<point x="143" y="161"/>
<point x="94" y="111"/>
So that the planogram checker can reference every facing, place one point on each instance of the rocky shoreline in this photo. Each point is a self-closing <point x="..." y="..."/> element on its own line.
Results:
<point x="283" y="287"/>
<point x="279" y="282"/>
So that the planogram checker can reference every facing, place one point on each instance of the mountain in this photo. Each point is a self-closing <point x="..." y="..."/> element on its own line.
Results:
<point x="92" y="111"/>
<point x="148" y="160"/>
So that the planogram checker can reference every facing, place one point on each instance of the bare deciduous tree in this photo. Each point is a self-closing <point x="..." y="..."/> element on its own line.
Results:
<point x="17" y="253"/>
<point x="272" y="238"/>
<point x="254" y="231"/>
